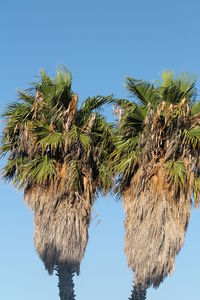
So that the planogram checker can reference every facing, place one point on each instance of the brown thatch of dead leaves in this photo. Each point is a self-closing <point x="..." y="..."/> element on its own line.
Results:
<point x="158" y="207"/>
<point x="61" y="218"/>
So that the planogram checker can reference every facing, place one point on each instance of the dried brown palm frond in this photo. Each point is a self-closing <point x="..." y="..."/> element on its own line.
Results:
<point x="27" y="141"/>
<point x="70" y="113"/>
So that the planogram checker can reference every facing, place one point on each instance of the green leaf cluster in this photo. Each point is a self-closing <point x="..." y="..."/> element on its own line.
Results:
<point x="37" y="144"/>
<point x="176" y="171"/>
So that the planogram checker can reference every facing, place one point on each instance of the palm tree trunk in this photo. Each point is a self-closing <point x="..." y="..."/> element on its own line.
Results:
<point x="65" y="275"/>
<point x="139" y="291"/>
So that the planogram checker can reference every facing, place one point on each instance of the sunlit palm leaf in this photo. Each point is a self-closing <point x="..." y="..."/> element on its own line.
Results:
<point x="41" y="170"/>
<point x="90" y="105"/>
<point x="173" y="89"/>
<point x="144" y="92"/>
<point x="177" y="171"/>
<point x="195" y="109"/>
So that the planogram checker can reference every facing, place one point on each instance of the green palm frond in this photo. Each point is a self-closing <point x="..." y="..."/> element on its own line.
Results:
<point x="123" y="161"/>
<point x="64" y="77"/>
<point x="90" y="105"/>
<point x="15" y="116"/>
<point x="173" y="89"/>
<point x="107" y="136"/>
<point x="125" y="146"/>
<point x="102" y="133"/>
<point x="6" y="145"/>
<point x="188" y="85"/>
<point x="133" y="119"/>
<point x="45" y="79"/>
<point x="10" y="169"/>
<point x="176" y="170"/>
<point x="41" y="170"/>
<point x="172" y="94"/>
<point x="194" y="132"/>
<point x="13" y="167"/>
<point x="167" y="78"/>
<point x="144" y="91"/>
<point x="95" y="103"/>
<point x="21" y="170"/>
<point x="56" y="91"/>
<point x="26" y="97"/>
<point x="105" y="180"/>
<point x="85" y="140"/>
<point x="53" y="140"/>
<point x="63" y="86"/>
<point x="74" y="134"/>
<point x="195" y="109"/>
<point x="126" y="165"/>
<point x="77" y="136"/>
<point x="75" y="175"/>
<point x="17" y="112"/>
<point x="192" y="137"/>
<point x="126" y="168"/>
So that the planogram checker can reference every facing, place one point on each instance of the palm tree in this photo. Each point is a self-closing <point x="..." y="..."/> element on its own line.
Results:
<point x="57" y="154"/>
<point x="156" y="163"/>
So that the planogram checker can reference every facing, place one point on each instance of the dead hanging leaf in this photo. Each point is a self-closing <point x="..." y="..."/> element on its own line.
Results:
<point x="157" y="203"/>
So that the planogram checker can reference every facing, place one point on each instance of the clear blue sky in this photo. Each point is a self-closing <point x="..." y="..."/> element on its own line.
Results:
<point x="100" y="42"/>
